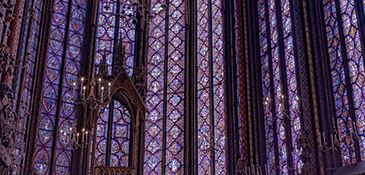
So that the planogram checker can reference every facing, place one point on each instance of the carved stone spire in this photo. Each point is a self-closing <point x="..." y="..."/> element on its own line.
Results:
<point x="119" y="57"/>
<point x="103" y="68"/>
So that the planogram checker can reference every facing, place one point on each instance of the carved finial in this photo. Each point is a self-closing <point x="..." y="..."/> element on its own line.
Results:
<point x="119" y="57"/>
<point x="103" y="68"/>
<point x="5" y="90"/>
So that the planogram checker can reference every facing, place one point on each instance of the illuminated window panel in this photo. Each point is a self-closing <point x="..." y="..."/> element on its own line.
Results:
<point x="211" y="114"/>
<point x="353" y="60"/>
<point x="127" y="33"/>
<point x="102" y="136"/>
<point x="120" y="141"/>
<point x="72" y="69"/>
<point x="166" y="61"/>
<point x="52" y="85"/>
<point x="278" y="87"/>
<point x="292" y="84"/>
<point x="204" y="102"/>
<point x="116" y="124"/>
<point x="175" y="89"/>
<point x="272" y="74"/>
<point x="356" y="65"/>
<point x="106" y="33"/>
<point x="109" y="33"/>
<point x="56" y="118"/>
<point x="155" y="90"/>
<point x="218" y="88"/>
<point x="266" y="86"/>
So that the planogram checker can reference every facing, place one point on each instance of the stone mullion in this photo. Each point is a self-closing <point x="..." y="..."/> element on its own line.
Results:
<point x="188" y="92"/>
<point x="312" y="76"/>
<point x="255" y="44"/>
<point x="141" y="43"/>
<point x="247" y="83"/>
<point x="193" y="89"/>
<point x="308" y="155"/>
<point x="228" y="53"/>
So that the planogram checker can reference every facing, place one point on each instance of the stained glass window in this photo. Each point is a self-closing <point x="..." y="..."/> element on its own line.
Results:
<point x="211" y="110"/>
<point x="63" y="66"/>
<point x="266" y="86"/>
<point x="346" y="63"/>
<point x="114" y="150"/>
<point x="113" y="28"/>
<point x="27" y="84"/>
<point x="275" y="96"/>
<point x="291" y="78"/>
<point x="102" y="136"/>
<point x="164" y="143"/>
<point x="165" y="89"/>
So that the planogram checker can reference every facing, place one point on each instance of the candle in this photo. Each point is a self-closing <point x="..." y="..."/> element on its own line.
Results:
<point x="254" y="170"/>
<point x="86" y="137"/>
<point x="102" y="94"/>
<point x="82" y="82"/>
<point x="99" y="85"/>
<point x="109" y="84"/>
<point x="83" y="135"/>
<point x="246" y="170"/>
<point x="260" y="171"/>
<point x="267" y="105"/>
<point x="83" y="92"/>
<point x="249" y="170"/>
<point x="74" y="89"/>
<point x="332" y="139"/>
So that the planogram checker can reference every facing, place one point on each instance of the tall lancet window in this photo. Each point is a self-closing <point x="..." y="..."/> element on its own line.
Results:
<point x="279" y="84"/>
<point x="113" y="134"/>
<point x="58" y="103"/>
<point x="210" y="96"/>
<point x="113" y="28"/>
<point x="164" y="137"/>
<point x="165" y="131"/>
<point x="347" y="69"/>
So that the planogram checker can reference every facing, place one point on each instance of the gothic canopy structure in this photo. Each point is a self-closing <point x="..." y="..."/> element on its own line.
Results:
<point x="182" y="87"/>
